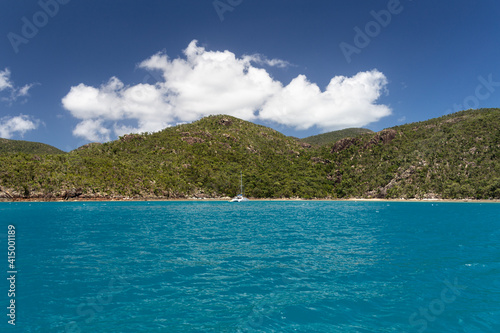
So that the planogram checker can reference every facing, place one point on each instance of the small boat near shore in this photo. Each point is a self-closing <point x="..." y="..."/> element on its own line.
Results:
<point x="240" y="197"/>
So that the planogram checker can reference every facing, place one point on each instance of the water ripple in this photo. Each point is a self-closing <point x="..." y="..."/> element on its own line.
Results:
<point x="257" y="267"/>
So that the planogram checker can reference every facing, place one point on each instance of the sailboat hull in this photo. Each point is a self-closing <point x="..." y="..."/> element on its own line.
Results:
<point x="239" y="199"/>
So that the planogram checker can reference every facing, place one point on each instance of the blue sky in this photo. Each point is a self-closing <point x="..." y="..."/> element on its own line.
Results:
<point x="76" y="71"/>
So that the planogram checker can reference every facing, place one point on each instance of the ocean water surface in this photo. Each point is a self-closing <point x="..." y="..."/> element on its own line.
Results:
<point x="263" y="266"/>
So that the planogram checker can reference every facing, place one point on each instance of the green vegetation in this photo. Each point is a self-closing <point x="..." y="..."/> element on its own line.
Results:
<point x="201" y="159"/>
<point x="332" y="137"/>
<point x="455" y="156"/>
<point x="19" y="146"/>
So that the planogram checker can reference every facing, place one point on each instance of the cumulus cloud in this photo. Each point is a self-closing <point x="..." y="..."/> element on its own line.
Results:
<point x="346" y="102"/>
<point x="218" y="82"/>
<point x="112" y="103"/>
<point x="19" y="124"/>
<point x="92" y="130"/>
<point x="13" y="92"/>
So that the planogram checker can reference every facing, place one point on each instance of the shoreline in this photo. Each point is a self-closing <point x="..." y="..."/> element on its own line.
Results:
<point x="12" y="200"/>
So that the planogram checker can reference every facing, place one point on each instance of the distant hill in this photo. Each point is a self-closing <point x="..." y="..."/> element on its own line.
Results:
<point x="334" y="136"/>
<point x="19" y="146"/>
<point x="456" y="156"/>
<point x="201" y="159"/>
<point x="204" y="158"/>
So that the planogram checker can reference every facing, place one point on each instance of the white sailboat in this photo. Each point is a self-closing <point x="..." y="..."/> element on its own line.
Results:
<point x="240" y="197"/>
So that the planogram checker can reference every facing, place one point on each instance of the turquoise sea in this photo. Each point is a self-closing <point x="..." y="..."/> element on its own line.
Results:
<point x="263" y="266"/>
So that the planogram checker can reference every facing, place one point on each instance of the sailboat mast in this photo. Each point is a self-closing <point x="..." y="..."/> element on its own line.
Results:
<point x="241" y="182"/>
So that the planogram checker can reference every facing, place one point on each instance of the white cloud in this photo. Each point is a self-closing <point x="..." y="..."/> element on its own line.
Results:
<point x="24" y="91"/>
<point x="8" y="86"/>
<point x="5" y="80"/>
<point x="346" y="102"/>
<point x="262" y="60"/>
<point x="19" y="124"/>
<point x="103" y="108"/>
<point x="217" y="82"/>
<point x="92" y="130"/>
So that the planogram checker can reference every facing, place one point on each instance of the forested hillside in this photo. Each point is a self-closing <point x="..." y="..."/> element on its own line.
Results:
<point x="455" y="156"/>
<point x="334" y="136"/>
<point x="20" y="146"/>
<point x="202" y="159"/>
